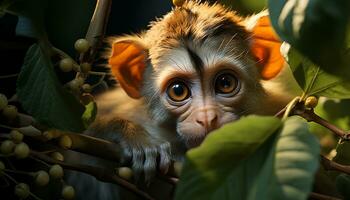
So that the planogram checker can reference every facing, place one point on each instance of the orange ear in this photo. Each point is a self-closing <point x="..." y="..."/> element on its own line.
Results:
<point x="128" y="62"/>
<point x="266" y="48"/>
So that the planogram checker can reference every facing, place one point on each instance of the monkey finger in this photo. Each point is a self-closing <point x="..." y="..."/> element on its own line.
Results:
<point x="150" y="164"/>
<point x="138" y="158"/>
<point x="164" y="157"/>
<point x="127" y="153"/>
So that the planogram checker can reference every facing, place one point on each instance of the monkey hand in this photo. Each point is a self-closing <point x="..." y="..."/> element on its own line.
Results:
<point x="144" y="151"/>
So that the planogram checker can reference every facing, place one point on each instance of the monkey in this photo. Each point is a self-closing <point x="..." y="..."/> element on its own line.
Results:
<point x="194" y="70"/>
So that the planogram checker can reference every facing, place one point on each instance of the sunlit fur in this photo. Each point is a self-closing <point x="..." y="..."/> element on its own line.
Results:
<point x="222" y="41"/>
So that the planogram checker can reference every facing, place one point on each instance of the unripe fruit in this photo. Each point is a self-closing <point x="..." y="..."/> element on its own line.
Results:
<point x="68" y="192"/>
<point x="82" y="45"/>
<point x="85" y="67"/>
<point x="311" y="102"/>
<point x="22" y="190"/>
<point x="3" y="101"/>
<point x="86" y="87"/>
<point x="178" y="2"/>
<point x="66" y="64"/>
<point x="56" y="171"/>
<point x="16" y="136"/>
<point x="7" y="147"/>
<point x="65" y="142"/>
<point x="10" y="112"/>
<point x="42" y="178"/>
<point x="22" y="150"/>
<point x="177" y="168"/>
<point x="2" y="167"/>
<point x="57" y="156"/>
<point x="125" y="172"/>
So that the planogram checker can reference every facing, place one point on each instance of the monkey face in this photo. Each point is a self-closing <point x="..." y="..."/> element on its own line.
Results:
<point x="204" y="89"/>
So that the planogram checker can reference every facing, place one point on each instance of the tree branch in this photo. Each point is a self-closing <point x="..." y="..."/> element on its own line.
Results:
<point x="318" y="196"/>
<point x="101" y="174"/>
<point x="331" y="165"/>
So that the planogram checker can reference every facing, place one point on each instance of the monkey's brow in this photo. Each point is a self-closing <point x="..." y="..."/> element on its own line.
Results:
<point x="197" y="62"/>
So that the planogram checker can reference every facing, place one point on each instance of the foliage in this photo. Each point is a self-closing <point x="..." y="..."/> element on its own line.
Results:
<point x="273" y="163"/>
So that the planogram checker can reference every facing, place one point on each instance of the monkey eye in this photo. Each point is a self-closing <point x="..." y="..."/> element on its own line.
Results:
<point x="226" y="83"/>
<point x="178" y="91"/>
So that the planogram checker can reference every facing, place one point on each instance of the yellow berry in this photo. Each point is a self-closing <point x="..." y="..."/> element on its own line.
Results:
<point x="178" y="3"/>
<point x="85" y="67"/>
<point x="56" y="171"/>
<point x="66" y="64"/>
<point x="57" y="156"/>
<point x="22" y="190"/>
<point x="3" y="101"/>
<point x="42" y="178"/>
<point x="82" y="45"/>
<point x="68" y="192"/>
<point x="125" y="172"/>
<point x="65" y="142"/>
<point x="7" y="147"/>
<point x="86" y="87"/>
<point x="16" y="136"/>
<point x="22" y="150"/>
<point x="10" y="112"/>
<point x="311" y="102"/>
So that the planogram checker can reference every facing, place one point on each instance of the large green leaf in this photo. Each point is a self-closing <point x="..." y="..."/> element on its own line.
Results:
<point x="223" y="167"/>
<point x="315" y="81"/>
<point x="317" y="28"/>
<point x="63" y="21"/>
<point x="41" y="94"/>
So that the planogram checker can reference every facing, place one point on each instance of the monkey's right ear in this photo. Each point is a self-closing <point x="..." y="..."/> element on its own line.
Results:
<point x="128" y="62"/>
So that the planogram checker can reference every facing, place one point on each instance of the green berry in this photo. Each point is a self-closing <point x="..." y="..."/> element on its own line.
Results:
<point x="42" y="178"/>
<point x="22" y="150"/>
<point x="125" y="172"/>
<point x="7" y="147"/>
<point x="22" y="190"/>
<point x="86" y="88"/>
<point x="66" y="64"/>
<point x="3" y="101"/>
<point x="85" y="67"/>
<point x="311" y="102"/>
<point x="65" y="142"/>
<point x="56" y="171"/>
<point x="10" y="112"/>
<point x="68" y="192"/>
<point x="57" y="156"/>
<point x="82" y="45"/>
<point x="178" y="3"/>
<point x="16" y="136"/>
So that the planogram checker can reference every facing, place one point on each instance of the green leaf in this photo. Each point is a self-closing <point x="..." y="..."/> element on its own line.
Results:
<point x="62" y="21"/>
<point x="208" y="166"/>
<point x="90" y="113"/>
<point x="315" y="81"/>
<point x="223" y="167"/>
<point x="317" y="28"/>
<point x="42" y="96"/>
<point x="343" y="185"/>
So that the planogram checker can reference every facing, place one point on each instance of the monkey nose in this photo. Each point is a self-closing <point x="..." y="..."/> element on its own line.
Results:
<point x="207" y="119"/>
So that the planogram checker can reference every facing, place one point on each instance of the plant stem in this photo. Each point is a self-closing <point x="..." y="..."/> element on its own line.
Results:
<point x="331" y="165"/>
<point x="101" y="174"/>
<point x="318" y="196"/>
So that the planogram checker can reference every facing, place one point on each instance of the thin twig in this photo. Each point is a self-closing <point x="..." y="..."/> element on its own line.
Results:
<point x="331" y="165"/>
<point x="318" y="196"/>
<point x="8" y="76"/>
<point x="99" y="173"/>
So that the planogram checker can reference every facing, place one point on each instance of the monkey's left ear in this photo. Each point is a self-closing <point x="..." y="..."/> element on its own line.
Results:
<point x="128" y="62"/>
<point x="266" y="48"/>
